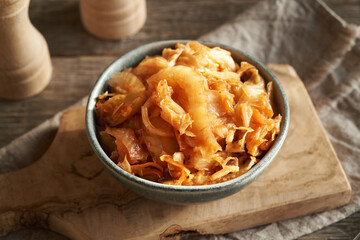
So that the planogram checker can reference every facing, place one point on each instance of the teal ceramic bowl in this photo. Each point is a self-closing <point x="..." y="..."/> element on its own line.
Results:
<point x="183" y="194"/>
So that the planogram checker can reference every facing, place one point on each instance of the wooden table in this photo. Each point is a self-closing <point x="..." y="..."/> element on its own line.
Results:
<point x="72" y="47"/>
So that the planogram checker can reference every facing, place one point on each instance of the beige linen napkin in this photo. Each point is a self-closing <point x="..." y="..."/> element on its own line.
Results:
<point x="325" y="52"/>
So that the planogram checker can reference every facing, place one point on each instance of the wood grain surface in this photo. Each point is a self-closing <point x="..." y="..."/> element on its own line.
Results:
<point x="72" y="48"/>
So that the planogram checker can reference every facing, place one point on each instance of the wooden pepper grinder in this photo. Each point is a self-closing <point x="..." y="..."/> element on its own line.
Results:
<point x="25" y="65"/>
<point x="113" y="19"/>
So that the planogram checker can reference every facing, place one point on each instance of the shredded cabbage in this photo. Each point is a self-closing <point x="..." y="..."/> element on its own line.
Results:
<point x="191" y="116"/>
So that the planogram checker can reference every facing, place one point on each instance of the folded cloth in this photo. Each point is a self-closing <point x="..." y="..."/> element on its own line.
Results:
<point x="324" y="50"/>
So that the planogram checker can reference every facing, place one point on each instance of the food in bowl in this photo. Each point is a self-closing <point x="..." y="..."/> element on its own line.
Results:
<point x="192" y="116"/>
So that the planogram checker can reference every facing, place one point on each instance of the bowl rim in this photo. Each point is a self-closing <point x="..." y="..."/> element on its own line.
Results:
<point x="249" y="176"/>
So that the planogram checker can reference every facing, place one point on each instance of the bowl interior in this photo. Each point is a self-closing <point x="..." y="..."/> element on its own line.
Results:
<point x="133" y="58"/>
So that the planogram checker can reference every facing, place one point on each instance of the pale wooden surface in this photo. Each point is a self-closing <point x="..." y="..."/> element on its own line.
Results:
<point x="25" y="66"/>
<point x="81" y="200"/>
<point x="75" y="71"/>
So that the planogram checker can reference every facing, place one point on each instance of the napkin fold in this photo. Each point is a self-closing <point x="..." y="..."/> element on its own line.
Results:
<point x="325" y="52"/>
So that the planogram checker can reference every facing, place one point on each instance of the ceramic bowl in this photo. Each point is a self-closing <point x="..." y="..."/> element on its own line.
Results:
<point x="183" y="194"/>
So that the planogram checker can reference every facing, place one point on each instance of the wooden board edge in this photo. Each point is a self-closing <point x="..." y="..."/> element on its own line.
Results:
<point x="274" y="214"/>
<point x="290" y="71"/>
<point x="232" y="222"/>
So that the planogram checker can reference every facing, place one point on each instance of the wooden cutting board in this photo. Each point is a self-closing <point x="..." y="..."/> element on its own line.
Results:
<point x="68" y="191"/>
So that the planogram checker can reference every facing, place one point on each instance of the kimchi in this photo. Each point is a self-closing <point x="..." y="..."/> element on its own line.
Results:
<point x="192" y="116"/>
